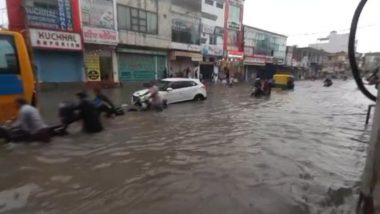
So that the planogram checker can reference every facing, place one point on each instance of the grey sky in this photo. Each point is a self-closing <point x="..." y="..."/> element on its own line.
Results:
<point x="306" y="20"/>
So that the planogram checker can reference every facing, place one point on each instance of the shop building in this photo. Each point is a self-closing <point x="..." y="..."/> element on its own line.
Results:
<point x="144" y="39"/>
<point x="212" y="37"/>
<point x="185" y="47"/>
<point x="265" y="53"/>
<point x="233" y="38"/>
<point x="52" y="29"/>
<point x="100" y="41"/>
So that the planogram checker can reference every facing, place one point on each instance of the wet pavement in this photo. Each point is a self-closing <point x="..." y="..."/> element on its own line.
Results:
<point x="298" y="152"/>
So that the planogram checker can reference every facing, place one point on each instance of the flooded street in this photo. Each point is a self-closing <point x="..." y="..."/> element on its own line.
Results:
<point x="296" y="153"/>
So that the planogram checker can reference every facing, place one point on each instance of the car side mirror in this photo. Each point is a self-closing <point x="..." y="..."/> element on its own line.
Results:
<point x="169" y="89"/>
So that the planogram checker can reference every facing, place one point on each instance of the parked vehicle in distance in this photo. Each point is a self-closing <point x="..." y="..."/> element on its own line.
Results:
<point x="175" y="90"/>
<point x="283" y="81"/>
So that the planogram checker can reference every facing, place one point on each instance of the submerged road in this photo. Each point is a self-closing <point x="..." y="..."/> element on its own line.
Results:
<point x="296" y="153"/>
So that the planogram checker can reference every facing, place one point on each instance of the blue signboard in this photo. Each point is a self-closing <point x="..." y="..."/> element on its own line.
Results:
<point x="58" y="18"/>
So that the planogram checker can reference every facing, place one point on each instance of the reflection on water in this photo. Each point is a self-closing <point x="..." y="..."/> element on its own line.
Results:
<point x="297" y="152"/>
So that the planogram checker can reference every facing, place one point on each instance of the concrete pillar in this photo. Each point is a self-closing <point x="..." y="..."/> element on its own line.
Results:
<point x="115" y="66"/>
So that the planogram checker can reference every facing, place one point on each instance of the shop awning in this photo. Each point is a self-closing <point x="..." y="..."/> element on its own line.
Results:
<point x="195" y="56"/>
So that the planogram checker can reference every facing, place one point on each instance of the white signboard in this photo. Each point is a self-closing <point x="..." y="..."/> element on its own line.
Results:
<point x="212" y="50"/>
<point x="55" y="40"/>
<point x="186" y="47"/>
<point x="100" y="36"/>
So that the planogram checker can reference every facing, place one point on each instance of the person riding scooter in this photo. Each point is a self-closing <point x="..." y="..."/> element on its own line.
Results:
<point x="328" y="82"/>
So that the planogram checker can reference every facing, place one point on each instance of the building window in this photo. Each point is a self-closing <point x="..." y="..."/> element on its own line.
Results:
<point x="8" y="56"/>
<point x="185" y="29"/>
<point x="219" y="5"/>
<point x="137" y="20"/>
<point x="234" y="14"/>
<point x="210" y="2"/>
<point x="213" y="39"/>
<point x="233" y="38"/>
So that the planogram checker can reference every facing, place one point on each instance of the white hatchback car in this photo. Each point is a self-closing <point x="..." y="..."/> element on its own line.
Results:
<point x="175" y="90"/>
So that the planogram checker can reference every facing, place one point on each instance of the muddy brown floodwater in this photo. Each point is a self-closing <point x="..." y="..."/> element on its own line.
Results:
<point x="296" y="153"/>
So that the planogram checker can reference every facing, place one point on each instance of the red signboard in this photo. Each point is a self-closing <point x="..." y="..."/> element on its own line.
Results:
<point x="236" y="54"/>
<point x="17" y="15"/>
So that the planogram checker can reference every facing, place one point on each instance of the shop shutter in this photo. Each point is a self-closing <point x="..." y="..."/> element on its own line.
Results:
<point x="136" y="67"/>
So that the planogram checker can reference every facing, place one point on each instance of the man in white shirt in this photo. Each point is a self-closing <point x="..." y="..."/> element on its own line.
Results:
<point x="29" y="125"/>
<point x="29" y="118"/>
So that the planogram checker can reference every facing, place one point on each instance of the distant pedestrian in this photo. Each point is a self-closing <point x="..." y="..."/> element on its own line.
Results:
<point x="187" y="73"/>
<point x="228" y="76"/>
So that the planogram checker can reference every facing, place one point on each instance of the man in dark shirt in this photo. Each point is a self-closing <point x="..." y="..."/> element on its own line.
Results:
<point x="89" y="114"/>
<point x="103" y="103"/>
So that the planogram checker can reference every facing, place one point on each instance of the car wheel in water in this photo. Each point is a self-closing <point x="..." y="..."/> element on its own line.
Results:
<point x="199" y="97"/>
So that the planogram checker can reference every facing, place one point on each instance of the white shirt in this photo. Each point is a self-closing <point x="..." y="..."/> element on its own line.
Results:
<point x="30" y="119"/>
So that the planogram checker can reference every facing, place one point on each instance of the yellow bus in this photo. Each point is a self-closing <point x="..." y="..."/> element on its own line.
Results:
<point x="16" y="74"/>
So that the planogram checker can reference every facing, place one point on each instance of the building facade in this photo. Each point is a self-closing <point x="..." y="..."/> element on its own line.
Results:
<point x="233" y="29"/>
<point x="145" y="37"/>
<point x="53" y="31"/>
<point x="310" y="62"/>
<point x="112" y="41"/>
<point x="212" y="32"/>
<point x="185" y="47"/>
<point x="333" y="43"/>
<point x="371" y="61"/>
<point x="100" y="40"/>
<point x="263" y="52"/>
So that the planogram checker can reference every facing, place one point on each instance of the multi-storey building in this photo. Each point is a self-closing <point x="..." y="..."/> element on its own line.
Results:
<point x="100" y="38"/>
<point x="213" y="13"/>
<point x="185" y="53"/>
<point x="145" y="38"/>
<point x="262" y="50"/>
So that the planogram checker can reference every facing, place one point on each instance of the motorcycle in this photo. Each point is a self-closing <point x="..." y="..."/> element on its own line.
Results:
<point x="327" y="83"/>
<point x="143" y="102"/>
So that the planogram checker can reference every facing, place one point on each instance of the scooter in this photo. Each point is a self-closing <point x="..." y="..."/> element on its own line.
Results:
<point x="327" y="83"/>
<point x="144" y="103"/>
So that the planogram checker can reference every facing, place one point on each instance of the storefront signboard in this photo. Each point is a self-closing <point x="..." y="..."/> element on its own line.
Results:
<point x="186" y="47"/>
<point x="255" y="60"/>
<point x="57" y="18"/>
<point x="55" y="40"/>
<point x="98" y="13"/>
<point x="100" y="36"/>
<point x="92" y="63"/>
<point x="212" y="50"/>
<point x="235" y="54"/>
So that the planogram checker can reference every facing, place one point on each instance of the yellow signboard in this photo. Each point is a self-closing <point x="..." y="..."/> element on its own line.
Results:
<point x="92" y="63"/>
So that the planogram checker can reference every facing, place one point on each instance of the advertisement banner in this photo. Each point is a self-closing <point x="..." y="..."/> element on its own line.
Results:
<point x="212" y="50"/>
<point x="100" y="36"/>
<point x="55" y="40"/>
<point x="98" y="13"/>
<point x="57" y="17"/>
<point x="92" y="63"/>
